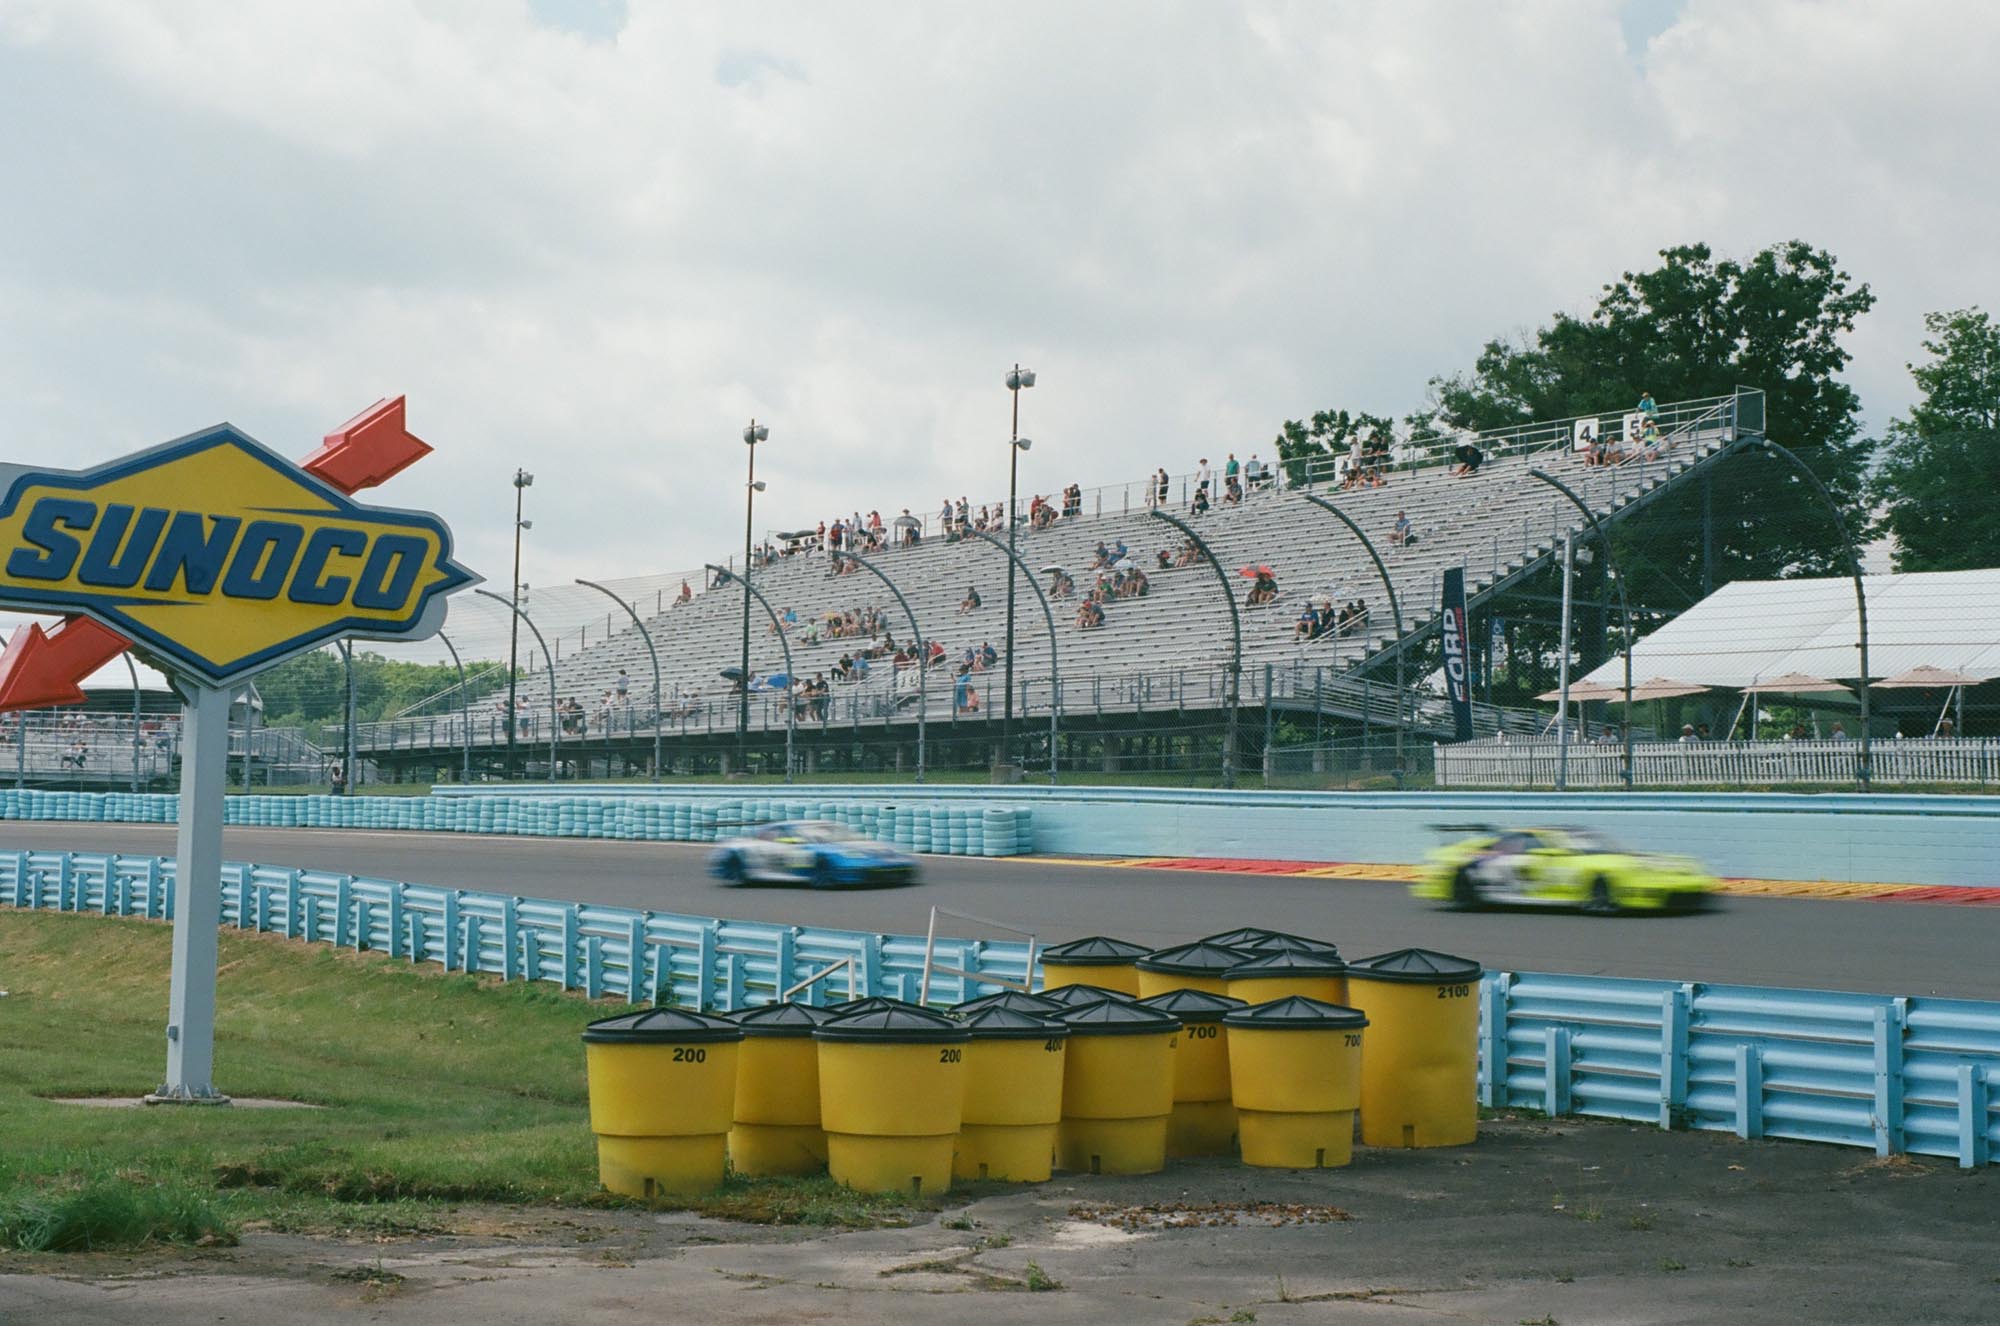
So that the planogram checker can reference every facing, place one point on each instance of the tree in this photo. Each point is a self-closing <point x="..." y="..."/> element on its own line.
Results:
<point x="1700" y="326"/>
<point x="1940" y="467"/>
<point x="1307" y="449"/>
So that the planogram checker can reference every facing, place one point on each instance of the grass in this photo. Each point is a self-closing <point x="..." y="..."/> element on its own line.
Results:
<point x="437" y="1090"/>
<point x="1037" y="1280"/>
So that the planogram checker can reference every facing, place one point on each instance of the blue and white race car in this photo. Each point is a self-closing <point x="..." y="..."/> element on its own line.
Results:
<point x="816" y="852"/>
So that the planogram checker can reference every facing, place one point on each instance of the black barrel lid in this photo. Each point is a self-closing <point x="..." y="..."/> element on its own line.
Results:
<point x="899" y="1025"/>
<point x="1417" y="966"/>
<point x="1278" y="942"/>
<point x="1118" y="1017"/>
<point x="1248" y="936"/>
<point x="784" y="1019"/>
<point x="1288" y="962"/>
<point x="1076" y="996"/>
<point x="1095" y="951"/>
<point x="868" y="1004"/>
<point x="1031" y="1004"/>
<point x="658" y="1026"/>
<point x="996" y="1023"/>
<point x="1297" y="1013"/>
<point x="1200" y="958"/>
<point x="1193" y="1005"/>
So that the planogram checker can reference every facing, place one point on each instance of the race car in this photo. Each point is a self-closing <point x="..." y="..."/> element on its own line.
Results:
<point x="1561" y="868"/>
<point x="816" y="852"/>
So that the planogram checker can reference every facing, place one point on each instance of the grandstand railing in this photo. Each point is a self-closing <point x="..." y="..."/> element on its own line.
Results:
<point x="1967" y="760"/>
<point x="1883" y="1073"/>
<point x="1721" y="417"/>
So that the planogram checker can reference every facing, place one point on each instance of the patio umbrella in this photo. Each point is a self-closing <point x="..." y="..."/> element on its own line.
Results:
<point x="1663" y="688"/>
<point x="1252" y="572"/>
<point x="1926" y="677"/>
<point x="1586" y="690"/>
<point x="1052" y="569"/>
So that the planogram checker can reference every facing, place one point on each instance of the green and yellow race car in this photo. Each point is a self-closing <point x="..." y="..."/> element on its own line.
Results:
<point x="1561" y="868"/>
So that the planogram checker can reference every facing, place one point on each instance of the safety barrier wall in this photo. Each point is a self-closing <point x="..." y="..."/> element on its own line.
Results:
<point x="954" y="829"/>
<point x="1885" y="1073"/>
<point x="1854" y="837"/>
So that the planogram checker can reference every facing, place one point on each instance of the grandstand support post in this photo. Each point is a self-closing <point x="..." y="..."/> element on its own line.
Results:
<point x="1395" y="607"/>
<point x="555" y="716"/>
<point x="133" y="669"/>
<point x="923" y="656"/>
<point x="1865" y="772"/>
<point x="1235" y="638"/>
<point x="1048" y="616"/>
<point x="723" y="575"/>
<point x="654" y="655"/>
<point x="1624" y="607"/>
<point x="464" y="711"/>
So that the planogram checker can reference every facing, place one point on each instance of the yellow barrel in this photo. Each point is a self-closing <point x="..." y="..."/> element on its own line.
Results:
<point x="1196" y="966"/>
<point x="1276" y="973"/>
<point x="891" y="1088"/>
<point x="777" y="1092"/>
<point x="1204" y="1121"/>
<point x="1118" y="1087"/>
<point x="1013" y="1000"/>
<point x="1295" y="1072"/>
<point x="1013" y="1096"/>
<point x="662" y="1092"/>
<point x="1096" y="960"/>
<point x="1420" y="1081"/>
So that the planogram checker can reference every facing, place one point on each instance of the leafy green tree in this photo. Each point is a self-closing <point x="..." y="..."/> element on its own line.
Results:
<point x="1940" y="467"/>
<point x="1700" y="326"/>
<point x="311" y="690"/>
<point x="1306" y="448"/>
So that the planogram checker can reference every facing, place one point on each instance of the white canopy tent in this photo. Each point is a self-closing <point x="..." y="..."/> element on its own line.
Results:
<point x="1752" y="631"/>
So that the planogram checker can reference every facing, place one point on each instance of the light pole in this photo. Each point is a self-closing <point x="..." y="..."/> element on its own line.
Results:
<point x="1018" y="378"/>
<point x="522" y="482"/>
<point x="1395" y="609"/>
<point x="752" y="435"/>
<point x="651" y="653"/>
<point x="1624" y="609"/>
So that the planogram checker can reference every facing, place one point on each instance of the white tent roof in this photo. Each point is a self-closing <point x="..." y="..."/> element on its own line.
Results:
<point x="1757" y="629"/>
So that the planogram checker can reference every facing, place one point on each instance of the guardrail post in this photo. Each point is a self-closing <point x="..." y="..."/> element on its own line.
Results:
<point x="872" y="982"/>
<point x="363" y="924"/>
<point x="343" y="900"/>
<point x="117" y="881"/>
<point x="635" y="960"/>
<point x="450" y="955"/>
<point x="785" y="957"/>
<point x="419" y="936"/>
<point x="1493" y="1043"/>
<point x="732" y="982"/>
<point x="396" y="946"/>
<point x="1674" y="1056"/>
<point x="1749" y="1092"/>
<point x="294" y="901"/>
<point x="1974" y="1101"/>
<point x="572" y="928"/>
<point x="472" y="956"/>
<point x="156" y="893"/>
<point x="704" y="972"/>
<point x="593" y="967"/>
<point x="65" y="872"/>
<point x="1888" y="1113"/>
<point x="510" y="932"/>
<point x="531" y="954"/>
<point x="1555" y="1071"/>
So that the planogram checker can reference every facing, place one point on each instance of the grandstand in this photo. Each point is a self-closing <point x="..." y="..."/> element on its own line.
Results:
<point x="1171" y="650"/>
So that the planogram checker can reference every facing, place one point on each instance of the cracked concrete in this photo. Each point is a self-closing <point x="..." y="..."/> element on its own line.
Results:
<point x="1569" y="1222"/>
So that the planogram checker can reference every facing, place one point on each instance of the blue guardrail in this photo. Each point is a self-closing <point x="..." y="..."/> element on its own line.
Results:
<point x="1886" y="1073"/>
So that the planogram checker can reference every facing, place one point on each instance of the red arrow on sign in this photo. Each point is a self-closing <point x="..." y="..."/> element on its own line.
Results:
<point x="40" y="669"/>
<point x="371" y="448"/>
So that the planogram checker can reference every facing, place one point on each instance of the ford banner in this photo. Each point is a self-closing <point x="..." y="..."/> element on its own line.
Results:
<point x="1457" y="653"/>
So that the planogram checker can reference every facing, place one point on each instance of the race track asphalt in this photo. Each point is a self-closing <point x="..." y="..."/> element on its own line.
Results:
<point x="1877" y="947"/>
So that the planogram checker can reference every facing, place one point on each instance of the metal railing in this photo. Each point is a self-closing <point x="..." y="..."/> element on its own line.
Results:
<point x="1963" y="760"/>
<point x="1883" y="1073"/>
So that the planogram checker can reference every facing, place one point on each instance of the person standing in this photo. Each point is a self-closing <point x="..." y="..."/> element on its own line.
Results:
<point x="1229" y="469"/>
<point x="337" y="776"/>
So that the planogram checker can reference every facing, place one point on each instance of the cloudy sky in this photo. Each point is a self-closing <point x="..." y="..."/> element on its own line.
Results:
<point x="592" y="238"/>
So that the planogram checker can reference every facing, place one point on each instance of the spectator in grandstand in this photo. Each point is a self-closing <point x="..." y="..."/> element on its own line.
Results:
<point x="1353" y="462"/>
<point x="1307" y="626"/>
<point x="1203" y="476"/>
<point x="1263" y="589"/>
<point x="1089" y="615"/>
<point x="1469" y="458"/>
<point x="835" y="535"/>
<point x="686" y="593"/>
<point x="970" y="603"/>
<point x="1119" y="552"/>
<point x="1073" y="501"/>
<point x="1199" y="506"/>
<point x="988" y="655"/>
<point x="963" y="698"/>
<point x="1404" y="533"/>
<point x="1232" y="491"/>
<point x="1688" y="737"/>
<point x="1189" y="554"/>
<point x="1648" y="408"/>
<point x="1256" y="474"/>
<point x="1229" y="469"/>
<point x="1061" y="586"/>
<point x="1163" y="560"/>
<point x="1100" y="557"/>
<point x="623" y="685"/>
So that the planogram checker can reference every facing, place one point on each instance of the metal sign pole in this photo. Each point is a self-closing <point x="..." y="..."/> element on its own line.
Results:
<point x="197" y="899"/>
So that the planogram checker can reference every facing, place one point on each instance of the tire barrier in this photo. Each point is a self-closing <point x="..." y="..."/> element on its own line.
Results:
<point x="921" y="826"/>
<point x="1889" y="1074"/>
